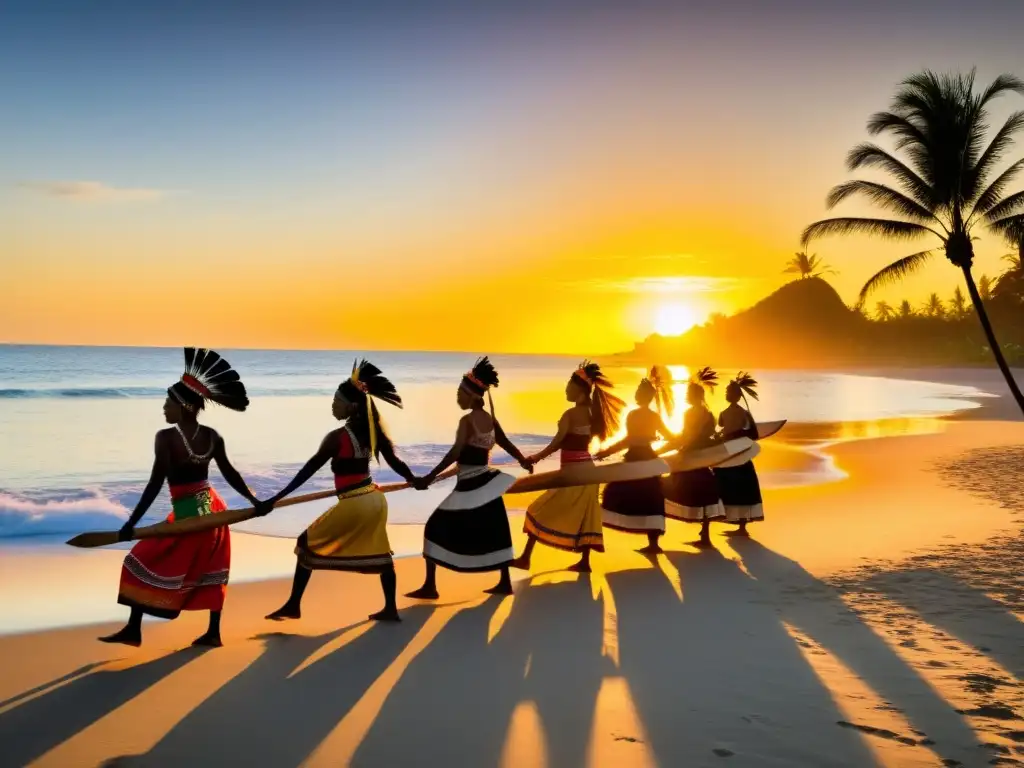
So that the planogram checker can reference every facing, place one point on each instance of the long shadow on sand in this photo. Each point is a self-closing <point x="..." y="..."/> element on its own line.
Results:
<point x="961" y="610"/>
<point x="271" y="714"/>
<point x="817" y="610"/>
<point x="719" y="671"/>
<point x="454" y="704"/>
<point x="33" y="728"/>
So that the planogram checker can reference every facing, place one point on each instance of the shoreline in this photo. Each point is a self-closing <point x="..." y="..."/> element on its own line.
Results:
<point x="811" y="646"/>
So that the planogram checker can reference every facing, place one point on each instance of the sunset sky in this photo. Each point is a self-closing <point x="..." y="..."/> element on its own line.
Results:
<point x="556" y="176"/>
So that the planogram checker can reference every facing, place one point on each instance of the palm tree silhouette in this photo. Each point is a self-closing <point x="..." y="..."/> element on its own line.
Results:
<point x="947" y="187"/>
<point x="958" y="304"/>
<point x="905" y="309"/>
<point x="807" y="266"/>
<point x="934" y="306"/>
<point x="884" y="311"/>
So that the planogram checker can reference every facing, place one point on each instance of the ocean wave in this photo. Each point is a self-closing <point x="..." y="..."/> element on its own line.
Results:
<point x="21" y="517"/>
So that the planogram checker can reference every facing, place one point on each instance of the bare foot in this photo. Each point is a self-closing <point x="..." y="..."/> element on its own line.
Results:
<point x="738" y="532"/>
<point x="521" y="563"/>
<point x="651" y="550"/>
<point x="285" y="612"/>
<point x="500" y="589"/>
<point x="125" y="636"/>
<point x="579" y="567"/>
<point x="423" y="593"/>
<point x="388" y="614"/>
<point x="208" y="641"/>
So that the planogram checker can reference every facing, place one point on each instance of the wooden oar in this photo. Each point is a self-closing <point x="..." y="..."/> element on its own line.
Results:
<point x="208" y="522"/>
<point x="769" y="428"/>
<point x="597" y="474"/>
<point x="741" y="458"/>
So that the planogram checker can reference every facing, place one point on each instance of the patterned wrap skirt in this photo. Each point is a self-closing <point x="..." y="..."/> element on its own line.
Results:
<point x="635" y="506"/>
<point x="741" y="493"/>
<point x="693" y="496"/>
<point x="568" y="518"/>
<point x="350" y="536"/>
<point x="165" y="576"/>
<point x="469" y="530"/>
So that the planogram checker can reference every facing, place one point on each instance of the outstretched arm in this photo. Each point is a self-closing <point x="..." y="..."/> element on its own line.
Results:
<point x="156" y="481"/>
<point x="388" y="452"/>
<point x="502" y="439"/>
<point x="460" y="441"/>
<point x="328" y="448"/>
<point x="556" y="442"/>
<point x="612" y="449"/>
<point x="665" y="432"/>
<point x="227" y="469"/>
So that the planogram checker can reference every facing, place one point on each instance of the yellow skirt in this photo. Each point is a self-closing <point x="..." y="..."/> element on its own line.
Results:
<point x="350" y="536"/>
<point x="567" y="518"/>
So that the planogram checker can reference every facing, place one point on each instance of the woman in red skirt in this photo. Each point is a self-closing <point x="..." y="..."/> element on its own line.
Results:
<point x="164" y="576"/>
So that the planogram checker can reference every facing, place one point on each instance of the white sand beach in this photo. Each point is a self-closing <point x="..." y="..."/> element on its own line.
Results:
<point x="871" y="621"/>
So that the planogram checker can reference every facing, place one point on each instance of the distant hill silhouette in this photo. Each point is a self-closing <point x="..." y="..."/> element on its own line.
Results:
<point x="806" y="324"/>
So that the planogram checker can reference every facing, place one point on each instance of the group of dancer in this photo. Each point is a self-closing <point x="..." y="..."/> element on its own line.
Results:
<point x="469" y="531"/>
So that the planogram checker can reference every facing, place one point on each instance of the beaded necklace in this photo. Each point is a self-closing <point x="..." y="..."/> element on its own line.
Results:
<point x="192" y="456"/>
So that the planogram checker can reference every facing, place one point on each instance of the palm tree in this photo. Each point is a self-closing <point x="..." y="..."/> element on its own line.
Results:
<point x="906" y="310"/>
<point x="946" y="187"/>
<point x="884" y="311"/>
<point x="934" y="307"/>
<point x="985" y="289"/>
<point x="806" y="266"/>
<point x="958" y="304"/>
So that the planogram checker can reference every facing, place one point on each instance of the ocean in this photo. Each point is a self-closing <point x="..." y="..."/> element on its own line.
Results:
<point x="77" y="424"/>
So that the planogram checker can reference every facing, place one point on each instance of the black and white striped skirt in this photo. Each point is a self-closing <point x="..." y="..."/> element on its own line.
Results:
<point x="469" y="531"/>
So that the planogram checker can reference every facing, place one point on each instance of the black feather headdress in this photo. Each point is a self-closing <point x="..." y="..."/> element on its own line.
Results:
<point x="366" y="382"/>
<point x="745" y="385"/>
<point x="605" y="407"/>
<point x="481" y="379"/>
<point x="208" y="376"/>
<point x="367" y="379"/>
<point x="659" y="383"/>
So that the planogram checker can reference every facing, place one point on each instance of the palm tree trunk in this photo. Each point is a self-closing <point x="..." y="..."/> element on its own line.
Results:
<point x="986" y="326"/>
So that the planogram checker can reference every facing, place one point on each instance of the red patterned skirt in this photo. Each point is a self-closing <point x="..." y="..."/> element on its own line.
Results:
<point x="165" y="576"/>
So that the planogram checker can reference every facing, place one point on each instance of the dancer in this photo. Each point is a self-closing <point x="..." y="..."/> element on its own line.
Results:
<point x="638" y="506"/>
<point x="469" y="531"/>
<point x="739" y="487"/>
<point x="164" y="576"/>
<point x="570" y="518"/>
<point x="352" y="535"/>
<point x="692" y="496"/>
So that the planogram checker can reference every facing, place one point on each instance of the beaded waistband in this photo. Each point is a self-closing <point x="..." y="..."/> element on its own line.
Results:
<point x="185" y="490"/>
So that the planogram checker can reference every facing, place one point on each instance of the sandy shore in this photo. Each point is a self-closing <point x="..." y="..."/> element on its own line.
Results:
<point x="871" y="621"/>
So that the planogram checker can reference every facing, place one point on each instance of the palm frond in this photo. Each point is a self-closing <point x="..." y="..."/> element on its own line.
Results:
<point x="894" y="272"/>
<point x="1010" y="227"/>
<point x="1001" y="143"/>
<point x="1002" y="84"/>
<point x="992" y="194"/>
<point x="888" y="228"/>
<point x="1005" y="207"/>
<point x="899" y="126"/>
<point x="883" y="196"/>
<point x="872" y="156"/>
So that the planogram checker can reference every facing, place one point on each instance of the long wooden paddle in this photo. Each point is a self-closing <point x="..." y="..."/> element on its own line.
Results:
<point x="769" y="428"/>
<point x="208" y="522"/>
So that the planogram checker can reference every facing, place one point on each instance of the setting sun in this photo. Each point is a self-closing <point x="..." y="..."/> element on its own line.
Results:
<point x="674" y="319"/>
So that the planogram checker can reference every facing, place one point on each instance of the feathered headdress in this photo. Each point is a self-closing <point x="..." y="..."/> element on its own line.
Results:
<point x="747" y="385"/>
<point x="704" y="379"/>
<point x="605" y="407"/>
<point x="208" y="376"/>
<point x="659" y="381"/>
<point x="480" y="379"/>
<point x="365" y="382"/>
